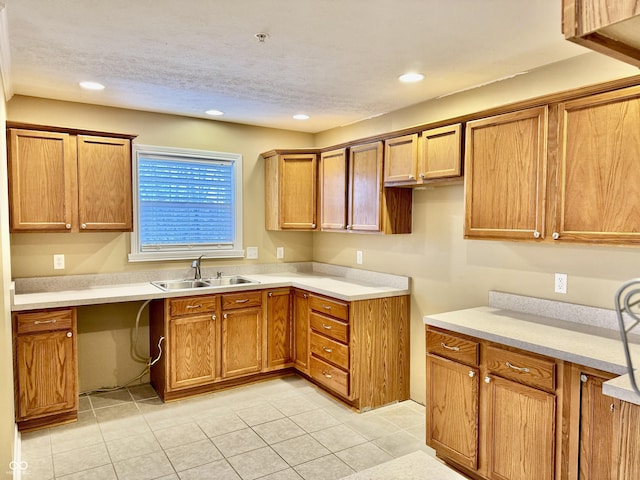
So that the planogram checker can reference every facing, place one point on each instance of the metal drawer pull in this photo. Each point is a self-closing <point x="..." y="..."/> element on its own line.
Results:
<point x="326" y="327"/>
<point x="245" y="300"/>
<point x="40" y="322"/>
<point x="519" y="369"/>
<point x="455" y="349"/>
<point x="472" y="373"/>
<point x="326" y="307"/>
<point x="194" y="306"/>
<point x="326" y="374"/>
<point x="328" y="350"/>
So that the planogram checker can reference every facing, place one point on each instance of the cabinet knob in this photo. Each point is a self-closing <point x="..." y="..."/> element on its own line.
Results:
<point x="411" y="177"/>
<point x="69" y="334"/>
<point x="583" y="378"/>
<point x="487" y="379"/>
<point x="68" y="226"/>
<point x="555" y="235"/>
<point x="348" y="227"/>
<point x="270" y="294"/>
<point x="213" y="317"/>
<point x="422" y="176"/>
<point x="304" y="295"/>
<point x="224" y="315"/>
<point x="472" y="373"/>
<point x="612" y="407"/>
<point x="313" y="225"/>
<point x="83" y="226"/>
<point x="536" y="234"/>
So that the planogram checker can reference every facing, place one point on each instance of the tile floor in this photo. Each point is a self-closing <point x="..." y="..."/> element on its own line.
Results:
<point x="280" y="429"/>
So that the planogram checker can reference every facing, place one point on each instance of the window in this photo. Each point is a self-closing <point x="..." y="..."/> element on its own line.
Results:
<point x="186" y="203"/>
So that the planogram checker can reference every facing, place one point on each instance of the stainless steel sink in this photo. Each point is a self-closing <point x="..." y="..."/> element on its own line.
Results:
<point x="170" y="285"/>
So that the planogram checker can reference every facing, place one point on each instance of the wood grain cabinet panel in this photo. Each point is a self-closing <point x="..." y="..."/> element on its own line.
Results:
<point x="505" y="175"/>
<point x="241" y="342"/>
<point x="401" y="160"/>
<point x="333" y="190"/>
<point x="279" y="328"/>
<point x="440" y="153"/>
<point x="192" y="347"/>
<point x="301" y="330"/>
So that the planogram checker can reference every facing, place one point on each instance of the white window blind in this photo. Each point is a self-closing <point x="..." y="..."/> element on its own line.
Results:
<point x="187" y="202"/>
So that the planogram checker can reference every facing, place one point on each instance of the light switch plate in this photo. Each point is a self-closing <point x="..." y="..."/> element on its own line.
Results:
<point x="359" y="257"/>
<point x="252" y="253"/>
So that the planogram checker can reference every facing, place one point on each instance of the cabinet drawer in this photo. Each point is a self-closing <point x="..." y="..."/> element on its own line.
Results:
<point x="330" y="307"/>
<point x="526" y="369"/>
<point x="190" y="305"/>
<point x="330" y="350"/>
<point x="241" y="300"/>
<point x="329" y="327"/>
<point x="330" y="376"/>
<point x="43" y="321"/>
<point x="453" y="347"/>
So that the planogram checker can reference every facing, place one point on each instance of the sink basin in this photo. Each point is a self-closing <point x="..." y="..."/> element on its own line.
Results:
<point x="170" y="285"/>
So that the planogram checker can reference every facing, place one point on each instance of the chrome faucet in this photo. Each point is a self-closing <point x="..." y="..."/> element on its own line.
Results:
<point x="196" y="264"/>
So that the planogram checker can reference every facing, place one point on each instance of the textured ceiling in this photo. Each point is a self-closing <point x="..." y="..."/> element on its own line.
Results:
<point x="335" y="60"/>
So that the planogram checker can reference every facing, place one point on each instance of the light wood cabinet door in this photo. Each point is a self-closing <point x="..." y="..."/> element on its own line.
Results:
<point x="241" y="342"/>
<point x="401" y="160"/>
<point x="192" y="347"/>
<point x="441" y="152"/>
<point x="598" y="198"/>
<point x="333" y="190"/>
<point x="279" y="328"/>
<point x="521" y="431"/>
<point x="627" y="453"/>
<point x="46" y="371"/>
<point x="104" y="183"/>
<point x="453" y="410"/>
<point x="42" y="180"/>
<point x="301" y="330"/>
<point x="365" y="187"/>
<point x="505" y="175"/>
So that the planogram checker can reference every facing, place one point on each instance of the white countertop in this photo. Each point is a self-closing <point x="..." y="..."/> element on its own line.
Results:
<point x="572" y="342"/>
<point x="343" y="288"/>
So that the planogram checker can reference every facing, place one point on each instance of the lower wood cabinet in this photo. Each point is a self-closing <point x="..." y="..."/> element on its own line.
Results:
<point x="301" y="330"/>
<point x="241" y="334"/>
<point x="279" y="328"/>
<point x="45" y="367"/>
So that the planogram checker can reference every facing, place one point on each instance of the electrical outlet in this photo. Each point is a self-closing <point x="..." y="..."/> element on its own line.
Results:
<point x="252" y="253"/>
<point x="359" y="257"/>
<point x="561" y="283"/>
<point x="280" y="253"/>
<point x="58" y="262"/>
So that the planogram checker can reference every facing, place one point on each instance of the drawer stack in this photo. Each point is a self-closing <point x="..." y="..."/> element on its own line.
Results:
<point x="329" y="343"/>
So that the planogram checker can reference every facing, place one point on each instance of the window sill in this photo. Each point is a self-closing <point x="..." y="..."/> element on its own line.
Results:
<point x="186" y="255"/>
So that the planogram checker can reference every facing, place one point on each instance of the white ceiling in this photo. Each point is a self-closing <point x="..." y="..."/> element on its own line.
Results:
<point x="335" y="60"/>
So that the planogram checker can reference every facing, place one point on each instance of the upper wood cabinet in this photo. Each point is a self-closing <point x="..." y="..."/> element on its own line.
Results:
<point x="290" y="190"/>
<point x="608" y="27"/>
<point x="433" y="156"/>
<point x="333" y="190"/>
<point x="505" y="175"/>
<point x="68" y="181"/>
<point x="598" y="151"/>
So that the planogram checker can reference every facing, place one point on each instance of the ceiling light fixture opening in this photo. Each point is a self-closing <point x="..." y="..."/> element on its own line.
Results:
<point x="215" y="113"/>
<point x="411" y="77"/>
<point x="262" y="37"/>
<point x="91" y="86"/>
<point x="301" y="116"/>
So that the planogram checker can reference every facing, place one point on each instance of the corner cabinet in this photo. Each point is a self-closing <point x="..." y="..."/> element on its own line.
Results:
<point x="290" y="190"/>
<point x="68" y="181"/>
<point x="45" y="368"/>
<point x="279" y="328"/>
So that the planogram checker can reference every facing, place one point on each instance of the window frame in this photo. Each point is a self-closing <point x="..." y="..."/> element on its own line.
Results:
<point x="187" y="252"/>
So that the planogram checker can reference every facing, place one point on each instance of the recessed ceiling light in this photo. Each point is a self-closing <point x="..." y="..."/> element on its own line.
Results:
<point x="411" y="77"/>
<point x="215" y="113"/>
<point x="301" y="116"/>
<point x="92" y="86"/>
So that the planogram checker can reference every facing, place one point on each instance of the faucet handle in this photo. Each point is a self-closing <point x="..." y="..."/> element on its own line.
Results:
<point x="218" y="274"/>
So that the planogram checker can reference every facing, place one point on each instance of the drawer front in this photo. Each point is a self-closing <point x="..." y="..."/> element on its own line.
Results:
<point x="330" y="376"/>
<point x="533" y="371"/>
<point x="44" y="321"/>
<point x="333" y="308"/>
<point x="241" y="300"/>
<point x="453" y="347"/>
<point x="191" y="305"/>
<point x="329" y="327"/>
<point x="330" y="350"/>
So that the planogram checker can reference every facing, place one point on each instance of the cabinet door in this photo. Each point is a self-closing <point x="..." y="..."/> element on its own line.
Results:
<point x="241" y="342"/>
<point x="521" y="431"/>
<point x="333" y="190"/>
<point x="191" y="351"/>
<point x="278" y="328"/>
<point x="505" y="170"/>
<point x="401" y="160"/>
<point x="104" y="183"/>
<point x="598" y="198"/>
<point x="627" y="454"/>
<point x="301" y="330"/>
<point x="42" y="180"/>
<point x="441" y="155"/>
<point x="298" y="191"/>
<point x="365" y="187"/>
<point x="47" y="378"/>
<point x="452" y="410"/>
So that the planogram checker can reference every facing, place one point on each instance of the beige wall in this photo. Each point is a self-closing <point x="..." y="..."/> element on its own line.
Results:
<point x="450" y="273"/>
<point x="7" y="424"/>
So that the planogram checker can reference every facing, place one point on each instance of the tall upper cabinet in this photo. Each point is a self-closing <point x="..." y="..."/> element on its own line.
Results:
<point x="68" y="180"/>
